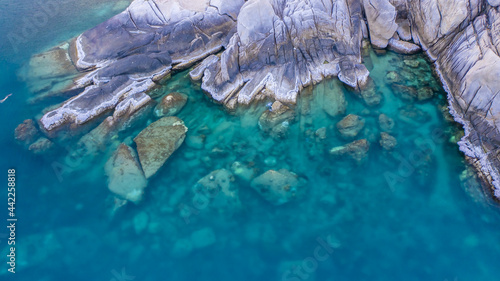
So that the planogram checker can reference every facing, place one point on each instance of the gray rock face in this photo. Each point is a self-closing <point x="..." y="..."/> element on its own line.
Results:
<point x="463" y="38"/>
<point x="129" y="53"/>
<point x="381" y="16"/>
<point x="282" y="46"/>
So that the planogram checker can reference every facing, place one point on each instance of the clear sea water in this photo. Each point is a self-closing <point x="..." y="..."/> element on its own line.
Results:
<point x="432" y="223"/>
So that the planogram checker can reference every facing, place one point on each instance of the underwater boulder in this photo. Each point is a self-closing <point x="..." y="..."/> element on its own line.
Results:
<point x="157" y="142"/>
<point x="219" y="189"/>
<point x="356" y="150"/>
<point x="350" y="126"/>
<point x="278" y="187"/>
<point x="385" y="123"/>
<point x="26" y="132"/>
<point x="242" y="171"/>
<point x="276" y="119"/>
<point x="425" y="93"/>
<point x="41" y="146"/>
<point x="334" y="102"/>
<point x="125" y="176"/>
<point x="370" y="95"/>
<point x="171" y="104"/>
<point x="387" y="141"/>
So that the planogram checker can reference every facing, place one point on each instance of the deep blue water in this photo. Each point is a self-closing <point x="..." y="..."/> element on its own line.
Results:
<point x="429" y="224"/>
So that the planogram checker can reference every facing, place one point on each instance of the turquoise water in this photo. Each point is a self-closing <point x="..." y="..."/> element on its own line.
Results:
<point x="409" y="214"/>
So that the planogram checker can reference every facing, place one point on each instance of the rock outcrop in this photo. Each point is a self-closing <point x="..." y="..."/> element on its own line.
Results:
<point x="158" y="141"/>
<point x="135" y="50"/>
<point x="282" y="46"/>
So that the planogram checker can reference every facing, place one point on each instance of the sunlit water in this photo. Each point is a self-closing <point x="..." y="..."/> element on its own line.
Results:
<point x="401" y="215"/>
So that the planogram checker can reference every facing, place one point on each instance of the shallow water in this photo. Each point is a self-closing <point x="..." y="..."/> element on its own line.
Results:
<point x="401" y="215"/>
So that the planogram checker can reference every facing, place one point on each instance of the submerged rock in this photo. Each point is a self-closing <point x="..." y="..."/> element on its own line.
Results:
<point x="158" y="141"/>
<point x="243" y="171"/>
<point x="385" y="123"/>
<point x="350" y="126"/>
<point x="26" y="132"/>
<point x="219" y="189"/>
<point x="171" y="104"/>
<point x="125" y="176"/>
<point x="387" y="141"/>
<point x="278" y="187"/>
<point x="334" y="102"/>
<point x="41" y="146"/>
<point x="356" y="150"/>
<point x="370" y="96"/>
<point x="277" y="119"/>
<point x="425" y="93"/>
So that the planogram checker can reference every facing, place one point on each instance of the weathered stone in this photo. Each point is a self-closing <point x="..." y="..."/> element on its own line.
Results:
<point x="26" y="132"/>
<point x="385" y="123"/>
<point x="125" y="176"/>
<point x="392" y="77"/>
<point x="350" y="126"/>
<point x="41" y="146"/>
<point x="370" y="96"/>
<point x="281" y="47"/>
<point x="129" y="52"/>
<point x="356" y="150"/>
<point x="171" y="104"/>
<point x="243" y="172"/>
<point x="425" y="93"/>
<point x="381" y="16"/>
<point x="403" y="47"/>
<point x="158" y="141"/>
<point x="278" y="187"/>
<point x="334" y="102"/>
<point x="412" y="63"/>
<point x="387" y="141"/>
<point x="219" y="190"/>
<point x="276" y="119"/>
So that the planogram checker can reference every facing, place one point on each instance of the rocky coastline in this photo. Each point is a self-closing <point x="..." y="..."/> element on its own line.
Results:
<point x="246" y="51"/>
